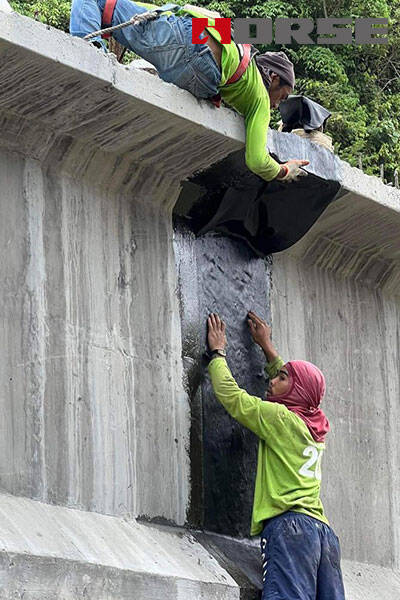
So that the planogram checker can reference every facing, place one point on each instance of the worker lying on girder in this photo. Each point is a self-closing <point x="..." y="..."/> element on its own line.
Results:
<point x="300" y="552"/>
<point x="251" y="84"/>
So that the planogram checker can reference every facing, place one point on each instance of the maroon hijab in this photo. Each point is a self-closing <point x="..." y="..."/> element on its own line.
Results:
<point x="306" y="390"/>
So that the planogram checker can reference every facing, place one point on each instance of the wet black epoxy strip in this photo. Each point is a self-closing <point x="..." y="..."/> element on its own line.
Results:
<point x="221" y="275"/>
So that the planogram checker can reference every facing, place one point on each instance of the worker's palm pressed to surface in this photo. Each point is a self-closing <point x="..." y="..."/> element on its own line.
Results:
<point x="260" y="331"/>
<point x="216" y="332"/>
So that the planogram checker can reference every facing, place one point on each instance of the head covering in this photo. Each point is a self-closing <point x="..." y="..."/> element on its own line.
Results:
<point x="306" y="390"/>
<point x="275" y="62"/>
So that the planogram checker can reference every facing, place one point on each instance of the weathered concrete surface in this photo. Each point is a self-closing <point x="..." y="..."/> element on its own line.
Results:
<point x="95" y="413"/>
<point x="358" y="236"/>
<point x="354" y="339"/>
<point x="369" y="582"/>
<point x="53" y="552"/>
<point x="86" y="421"/>
<point x="5" y="6"/>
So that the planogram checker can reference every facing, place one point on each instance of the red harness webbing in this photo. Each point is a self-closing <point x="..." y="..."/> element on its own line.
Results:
<point x="244" y="63"/>
<point x="106" y="18"/>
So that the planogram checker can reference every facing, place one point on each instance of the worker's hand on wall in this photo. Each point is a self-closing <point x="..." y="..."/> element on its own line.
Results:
<point x="261" y="334"/>
<point x="293" y="170"/>
<point x="260" y="331"/>
<point x="216" y="333"/>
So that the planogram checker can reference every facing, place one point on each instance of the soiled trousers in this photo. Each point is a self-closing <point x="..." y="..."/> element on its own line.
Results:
<point x="301" y="559"/>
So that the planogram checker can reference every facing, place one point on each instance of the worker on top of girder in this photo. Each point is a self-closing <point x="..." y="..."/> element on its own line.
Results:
<point x="300" y="552"/>
<point x="251" y="83"/>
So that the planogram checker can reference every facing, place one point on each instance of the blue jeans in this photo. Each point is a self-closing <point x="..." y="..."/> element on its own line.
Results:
<point x="301" y="559"/>
<point x="165" y="42"/>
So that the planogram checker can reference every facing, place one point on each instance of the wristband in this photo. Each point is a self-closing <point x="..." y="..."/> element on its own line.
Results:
<point x="286" y="172"/>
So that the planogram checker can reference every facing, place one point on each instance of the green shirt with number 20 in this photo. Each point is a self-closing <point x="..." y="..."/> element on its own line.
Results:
<point x="289" y="459"/>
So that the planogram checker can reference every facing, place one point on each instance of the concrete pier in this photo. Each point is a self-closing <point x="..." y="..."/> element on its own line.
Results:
<point x="114" y="456"/>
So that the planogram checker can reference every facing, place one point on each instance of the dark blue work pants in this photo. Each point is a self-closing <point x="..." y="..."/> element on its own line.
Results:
<point x="301" y="559"/>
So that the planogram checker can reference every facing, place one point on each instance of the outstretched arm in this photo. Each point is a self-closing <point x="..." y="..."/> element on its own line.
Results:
<point x="258" y="160"/>
<point x="250" y="411"/>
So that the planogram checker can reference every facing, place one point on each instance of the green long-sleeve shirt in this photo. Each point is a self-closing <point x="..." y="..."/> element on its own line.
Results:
<point x="249" y="97"/>
<point x="289" y="459"/>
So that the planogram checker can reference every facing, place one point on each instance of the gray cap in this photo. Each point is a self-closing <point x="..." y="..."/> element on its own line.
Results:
<point x="276" y="62"/>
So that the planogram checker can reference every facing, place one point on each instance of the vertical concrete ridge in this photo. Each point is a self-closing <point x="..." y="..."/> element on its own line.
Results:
<point x="35" y="334"/>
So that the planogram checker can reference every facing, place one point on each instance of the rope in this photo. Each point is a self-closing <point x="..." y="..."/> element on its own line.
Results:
<point x="136" y="20"/>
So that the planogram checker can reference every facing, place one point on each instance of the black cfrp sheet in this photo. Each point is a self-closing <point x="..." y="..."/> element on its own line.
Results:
<point x="217" y="274"/>
<point x="268" y="216"/>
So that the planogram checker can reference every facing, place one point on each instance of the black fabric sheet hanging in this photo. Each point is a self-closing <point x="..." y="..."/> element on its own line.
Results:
<point x="269" y="217"/>
<point x="299" y="112"/>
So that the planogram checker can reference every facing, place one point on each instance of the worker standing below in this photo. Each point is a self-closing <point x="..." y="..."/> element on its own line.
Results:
<point x="300" y="552"/>
<point x="250" y="82"/>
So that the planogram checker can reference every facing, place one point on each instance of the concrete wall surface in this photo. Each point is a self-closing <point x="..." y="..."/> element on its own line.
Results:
<point x="81" y="274"/>
<point x="5" y="6"/>
<point x="354" y="339"/>
<point x="110" y="438"/>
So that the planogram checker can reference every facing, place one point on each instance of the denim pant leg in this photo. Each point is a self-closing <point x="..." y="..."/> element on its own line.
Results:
<point x="290" y="546"/>
<point x="201" y="75"/>
<point x="329" y="581"/>
<point x="85" y="18"/>
<point x="166" y="42"/>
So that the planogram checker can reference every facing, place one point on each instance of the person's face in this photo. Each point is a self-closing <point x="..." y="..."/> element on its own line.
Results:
<point x="278" y="92"/>
<point x="279" y="384"/>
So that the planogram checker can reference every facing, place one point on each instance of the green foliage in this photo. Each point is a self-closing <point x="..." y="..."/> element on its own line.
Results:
<point x="53" y="12"/>
<point x="321" y="63"/>
<point x="360" y="85"/>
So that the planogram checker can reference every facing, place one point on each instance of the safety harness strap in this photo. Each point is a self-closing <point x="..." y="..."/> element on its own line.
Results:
<point x="245" y="53"/>
<point x="106" y="18"/>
